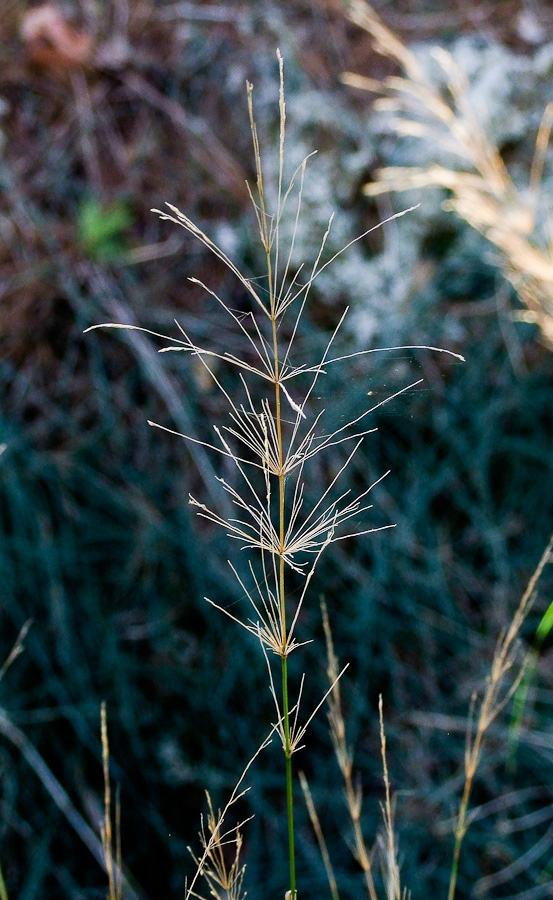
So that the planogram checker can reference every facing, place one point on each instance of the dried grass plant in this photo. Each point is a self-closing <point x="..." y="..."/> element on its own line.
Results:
<point x="107" y="849"/>
<point x="224" y="881"/>
<point x="506" y="671"/>
<point x="481" y="189"/>
<point x="495" y="696"/>
<point x="270" y="440"/>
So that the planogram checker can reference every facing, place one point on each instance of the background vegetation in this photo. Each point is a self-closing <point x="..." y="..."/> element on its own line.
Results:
<point x="126" y="107"/>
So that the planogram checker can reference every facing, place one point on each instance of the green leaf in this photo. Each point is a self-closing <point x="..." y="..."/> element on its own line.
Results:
<point x="101" y="227"/>
<point x="545" y="625"/>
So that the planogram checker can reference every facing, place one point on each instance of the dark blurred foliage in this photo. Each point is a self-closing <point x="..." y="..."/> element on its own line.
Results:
<point x="145" y="102"/>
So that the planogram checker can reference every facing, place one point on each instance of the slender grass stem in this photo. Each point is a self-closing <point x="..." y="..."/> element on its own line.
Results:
<point x="284" y="658"/>
<point x="282" y="592"/>
<point x="289" y="784"/>
<point x="459" y="835"/>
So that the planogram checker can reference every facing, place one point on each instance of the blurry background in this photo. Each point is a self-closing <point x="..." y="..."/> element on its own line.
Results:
<point x="107" y="109"/>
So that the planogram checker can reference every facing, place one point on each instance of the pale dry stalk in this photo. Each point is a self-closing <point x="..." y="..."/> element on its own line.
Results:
<point x="392" y="877"/>
<point x="344" y="757"/>
<point x="315" y="822"/>
<point x="113" y="860"/>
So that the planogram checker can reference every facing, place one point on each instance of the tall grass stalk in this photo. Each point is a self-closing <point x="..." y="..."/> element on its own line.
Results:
<point x="344" y="758"/>
<point x="272" y="439"/>
<point x="353" y="792"/>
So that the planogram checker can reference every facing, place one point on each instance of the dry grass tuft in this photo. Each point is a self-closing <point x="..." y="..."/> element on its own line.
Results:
<point x="495" y="697"/>
<point x="225" y="881"/>
<point x="481" y="189"/>
<point x="497" y="692"/>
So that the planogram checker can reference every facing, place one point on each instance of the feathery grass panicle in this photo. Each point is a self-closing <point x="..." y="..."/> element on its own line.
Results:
<point x="481" y="189"/>
<point x="270" y="442"/>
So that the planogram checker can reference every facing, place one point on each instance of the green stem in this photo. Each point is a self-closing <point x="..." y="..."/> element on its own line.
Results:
<point x="282" y="598"/>
<point x="461" y="828"/>
<point x="455" y="865"/>
<point x="289" y="793"/>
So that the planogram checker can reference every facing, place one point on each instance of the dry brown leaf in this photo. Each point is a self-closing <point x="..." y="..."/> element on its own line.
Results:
<point x="50" y="41"/>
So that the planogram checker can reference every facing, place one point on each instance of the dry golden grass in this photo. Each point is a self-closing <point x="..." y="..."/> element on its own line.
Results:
<point x="481" y="189"/>
<point x="497" y="690"/>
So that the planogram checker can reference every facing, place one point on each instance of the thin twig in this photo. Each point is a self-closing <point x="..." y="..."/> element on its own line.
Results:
<point x="320" y="836"/>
